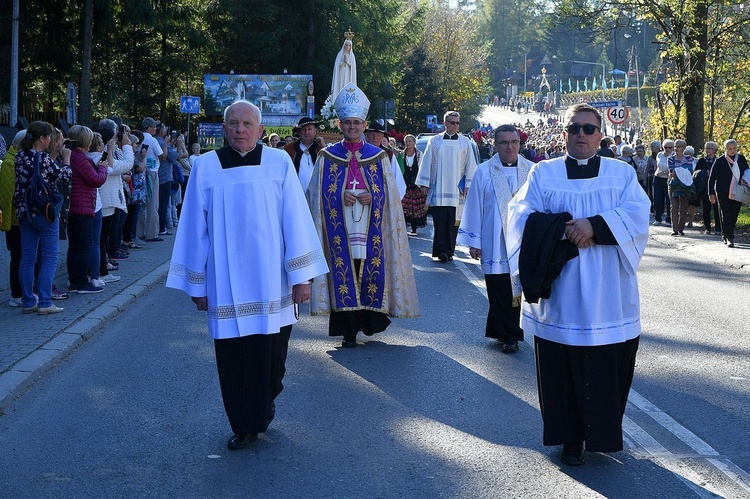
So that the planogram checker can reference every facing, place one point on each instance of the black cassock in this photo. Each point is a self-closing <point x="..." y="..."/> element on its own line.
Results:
<point x="583" y="390"/>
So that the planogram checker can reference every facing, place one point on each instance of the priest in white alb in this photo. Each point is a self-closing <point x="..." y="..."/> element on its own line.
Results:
<point x="445" y="175"/>
<point x="245" y="252"/>
<point x="580" y="285"/>
<point x="356" y="207"/>
<point x="483" y="230"/>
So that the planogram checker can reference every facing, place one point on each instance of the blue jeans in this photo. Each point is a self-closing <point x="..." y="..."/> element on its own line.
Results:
<point x="42" y="236"/>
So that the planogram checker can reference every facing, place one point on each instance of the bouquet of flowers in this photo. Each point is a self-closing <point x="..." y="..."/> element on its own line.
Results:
<point x="328" y="114"/>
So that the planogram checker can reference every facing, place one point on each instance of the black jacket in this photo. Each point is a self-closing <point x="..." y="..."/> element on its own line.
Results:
<point x="721" y="176"/>
<point x="543" y="253"/>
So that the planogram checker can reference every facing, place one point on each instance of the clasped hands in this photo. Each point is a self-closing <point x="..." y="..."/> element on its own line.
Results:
<point x="364" y="198"/>
<point x="580" y="232"/>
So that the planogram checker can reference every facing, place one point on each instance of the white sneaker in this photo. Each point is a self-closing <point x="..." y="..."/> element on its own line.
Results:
<point x="15" y="302"/>
<point x="52" y="309"/>
<point x="99" y="283"/>
<point x="656" y="223"/>
<point x="110" y="278"/>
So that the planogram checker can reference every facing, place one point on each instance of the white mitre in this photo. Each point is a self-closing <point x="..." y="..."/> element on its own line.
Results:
<point x="351" y="102"/>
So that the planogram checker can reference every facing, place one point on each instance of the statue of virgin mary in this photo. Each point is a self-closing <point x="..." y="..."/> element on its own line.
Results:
<point x="345" y="67"/>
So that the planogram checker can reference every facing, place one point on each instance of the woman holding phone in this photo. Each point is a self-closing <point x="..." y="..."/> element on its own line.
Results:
<point x="87" y="177"/>
<point x="37" y="234"/>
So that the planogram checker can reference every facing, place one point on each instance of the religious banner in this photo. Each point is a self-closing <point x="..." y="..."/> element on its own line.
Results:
<point x="282" y="99"/>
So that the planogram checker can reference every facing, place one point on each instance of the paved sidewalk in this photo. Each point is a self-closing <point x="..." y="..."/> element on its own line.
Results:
<point x="31" y="344"/>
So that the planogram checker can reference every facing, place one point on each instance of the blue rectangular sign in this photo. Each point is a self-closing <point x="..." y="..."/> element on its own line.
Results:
<point x="606" y="103"/>
<point x="190" y="105"/>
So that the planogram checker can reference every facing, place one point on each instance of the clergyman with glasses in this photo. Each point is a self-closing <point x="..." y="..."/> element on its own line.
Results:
<point x="577" y="231"/>
<point x="356" y="207"/>
<point x="445" y="175"/>
<point x="482" y="229"/>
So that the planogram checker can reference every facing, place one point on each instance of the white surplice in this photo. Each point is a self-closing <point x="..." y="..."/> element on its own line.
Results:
<point x="482" y="224"/>
<point x="306" y="166"/>
<point x="595" y="299"/>
<point x="245" y="238"/>
<point x="444" y="164"/>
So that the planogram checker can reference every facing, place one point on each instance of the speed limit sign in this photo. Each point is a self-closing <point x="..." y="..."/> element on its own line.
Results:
<point x="617" y="115"/>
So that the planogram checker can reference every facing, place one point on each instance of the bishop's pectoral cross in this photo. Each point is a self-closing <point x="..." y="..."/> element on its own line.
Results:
<point x="354" y="183"/>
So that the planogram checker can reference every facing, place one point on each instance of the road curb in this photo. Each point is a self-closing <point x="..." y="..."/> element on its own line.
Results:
<point x="709" y="250"/>
<point x="28" y="370"/>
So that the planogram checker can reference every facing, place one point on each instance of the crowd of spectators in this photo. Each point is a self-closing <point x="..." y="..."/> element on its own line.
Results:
<point x="121" y="189"/>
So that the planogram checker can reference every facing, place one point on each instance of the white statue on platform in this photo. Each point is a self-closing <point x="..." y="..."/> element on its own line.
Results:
<point x="345" y="67"/>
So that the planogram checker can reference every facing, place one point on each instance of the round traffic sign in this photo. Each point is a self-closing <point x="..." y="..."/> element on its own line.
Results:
<point x="617" y="115"/>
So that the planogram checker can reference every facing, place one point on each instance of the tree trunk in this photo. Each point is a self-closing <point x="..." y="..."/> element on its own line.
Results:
<point x="310" y="37"/>
<point x="697" y="38"/>
<point x="85" y="115"/>
<point x="163" y="71"/>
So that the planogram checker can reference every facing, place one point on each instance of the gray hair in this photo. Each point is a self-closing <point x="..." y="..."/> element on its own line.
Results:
<point x="711" y="145"/>
<point x="18" y="138"/>
<point x="455" y="114"/>
<point x="730" y="142"/>
<point x="690" y="151"/>
<point x="680" y="143"/>
<point x="245" y="102"/>
<point x="108" y="129"/>
<point x="667" y="142"/>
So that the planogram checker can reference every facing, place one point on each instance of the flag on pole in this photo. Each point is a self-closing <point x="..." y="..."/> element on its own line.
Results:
<point x="586" y="83"/>
<point x="570" y="86"/>
<point x="578" y="85"/>
<point x="613" y="83"/>
<point x="560" y="86"/>
<point x="626" y="81"/>
<point x="593" y="83"/>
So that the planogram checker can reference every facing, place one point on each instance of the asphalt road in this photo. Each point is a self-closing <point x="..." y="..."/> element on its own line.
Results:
<point x="429" y="408"/>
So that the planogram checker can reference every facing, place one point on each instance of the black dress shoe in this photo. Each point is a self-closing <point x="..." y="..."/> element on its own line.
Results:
<point x="241" y="440"/>
<point x="730" y="244"/>
<point x="572" y="454"/>
<point x="510" y="347"/>
<point x="348" y="343"/>
<point x="443" y="257"/>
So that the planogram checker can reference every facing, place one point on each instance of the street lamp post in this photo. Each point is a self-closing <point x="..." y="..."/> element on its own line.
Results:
<point x="524" y="71"/>
<point x="604" y="124"/>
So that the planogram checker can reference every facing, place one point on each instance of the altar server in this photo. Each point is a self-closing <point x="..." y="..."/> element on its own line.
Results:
<point x="584" y="309"/>
<point x="245" y="252"/>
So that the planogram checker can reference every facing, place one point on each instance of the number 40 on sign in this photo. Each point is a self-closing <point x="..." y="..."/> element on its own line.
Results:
<point x="617" y="115"/>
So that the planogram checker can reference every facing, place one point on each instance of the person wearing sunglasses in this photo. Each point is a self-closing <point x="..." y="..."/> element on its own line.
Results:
<point x="445" y="176"/>
<point x="485" y="213"/>
<point x="577" y="231"/>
